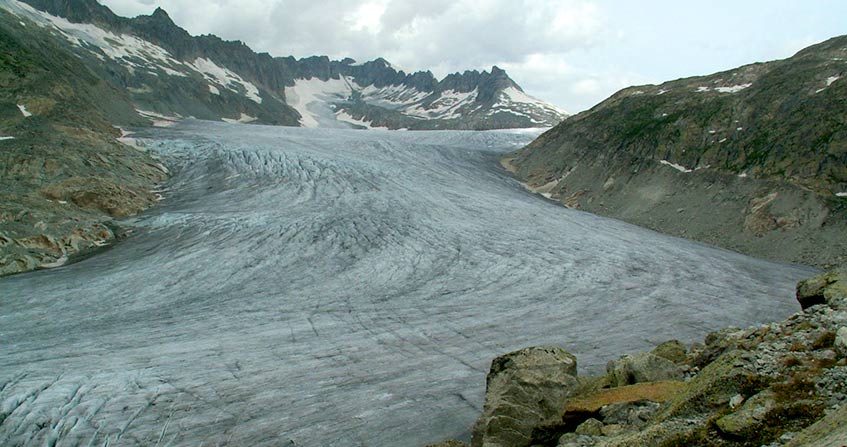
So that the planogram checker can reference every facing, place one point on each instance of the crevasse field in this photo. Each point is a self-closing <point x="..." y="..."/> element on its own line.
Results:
<point x="341" y="288"/>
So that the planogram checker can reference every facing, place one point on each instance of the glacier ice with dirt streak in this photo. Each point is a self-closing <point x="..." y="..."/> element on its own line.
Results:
<point x="321" y="287"/>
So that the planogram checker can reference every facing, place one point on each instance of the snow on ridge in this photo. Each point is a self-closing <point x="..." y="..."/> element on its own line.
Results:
<point x="392" y="96"/>
<point x="446" y="106"/>
<point x="512" y="95"/>
<point x="26" y="113"/>
<point x="224" y="78"/>
<point x="123" y="48"/>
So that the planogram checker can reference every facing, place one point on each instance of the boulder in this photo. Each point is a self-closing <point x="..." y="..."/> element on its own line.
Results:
<point x="750" y="416"/>
<point x="716" y="343"/>
<point x="672" y="350"/>
<point x="635" y="413"/>
<point x="642" y="367"/>
<point x="828" y="288"/>
<point x="841" y="342"/>
<point x="591" y="427"/>
<point x="525" y="389"/>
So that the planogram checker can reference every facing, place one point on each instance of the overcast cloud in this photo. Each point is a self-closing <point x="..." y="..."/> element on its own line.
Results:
<point x="573" y="53"/>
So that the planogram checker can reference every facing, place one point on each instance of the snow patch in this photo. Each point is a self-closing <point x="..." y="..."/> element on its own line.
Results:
<point x="225" y="78"/>
<point x="841" y="194"/>
<point x="703" y="89"/>
<point x="307" y="95"/>
<point x="214" y="90"/>
<point x="345" y="117"/>
<point x="679" y="168"/>
<point x="662" y="92"/>
<point x="57" y="263"/>
<point x="6" y="138"/>
<point x="244" y="118"/>
<point x="158" y="119"/>
<point x="24" y="111"/>
<point x="742" y="175"/>
<point x="733" y="89"/>
<point x="829" y="81"/>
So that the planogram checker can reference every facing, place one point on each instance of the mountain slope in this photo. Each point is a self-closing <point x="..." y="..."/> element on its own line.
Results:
<point x="63" y="175"/>
<point x="754" y="159"/>
<point x="170" y="72"/>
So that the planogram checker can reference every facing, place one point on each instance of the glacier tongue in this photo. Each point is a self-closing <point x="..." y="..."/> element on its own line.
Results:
<point x="331" y="287"/>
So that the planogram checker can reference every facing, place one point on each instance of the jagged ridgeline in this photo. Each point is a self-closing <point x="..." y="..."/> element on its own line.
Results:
<point x="170" y="73"/>
<point x="753" y="159"/>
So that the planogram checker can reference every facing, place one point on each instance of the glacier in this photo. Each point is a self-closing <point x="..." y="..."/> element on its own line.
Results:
<point x="330" y="287"/>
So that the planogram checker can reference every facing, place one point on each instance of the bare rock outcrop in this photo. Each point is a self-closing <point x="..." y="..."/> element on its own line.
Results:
<point x="525" y="389"/>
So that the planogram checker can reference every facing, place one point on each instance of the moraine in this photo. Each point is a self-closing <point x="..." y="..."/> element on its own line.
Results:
<point x="334" y="287"/>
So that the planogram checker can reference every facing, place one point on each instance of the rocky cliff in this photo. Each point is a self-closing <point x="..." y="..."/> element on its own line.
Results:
<point x="169" y="72"/>
<point x="780" y="384"/>
<point x="752" y="159"/>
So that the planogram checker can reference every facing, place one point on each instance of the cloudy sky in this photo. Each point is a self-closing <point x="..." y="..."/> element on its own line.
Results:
<point x="573" y="53"/>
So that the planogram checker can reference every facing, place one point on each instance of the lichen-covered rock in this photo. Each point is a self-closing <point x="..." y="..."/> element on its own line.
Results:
<point x="591" y="427"/>
<point x="750" y="417"/>
<point x="525" y="389"/>
<point x="841" y="342"/>
<point x="716" y="343"/>
<point x="635" y="413"/>
<point x="673" y="350"/>
<point x="642" y="367"/>
<point x="828" y="288"/>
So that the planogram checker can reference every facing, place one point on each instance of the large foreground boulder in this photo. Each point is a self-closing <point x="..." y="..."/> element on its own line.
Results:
<point x="525" y="389"/>
<point x="828" y="288"/>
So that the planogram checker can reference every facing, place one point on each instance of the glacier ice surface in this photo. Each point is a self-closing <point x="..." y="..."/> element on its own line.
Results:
<point x="320" y="287"/>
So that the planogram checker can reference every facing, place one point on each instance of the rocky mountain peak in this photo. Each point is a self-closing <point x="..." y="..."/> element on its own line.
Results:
<point x="161" y="15"/>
